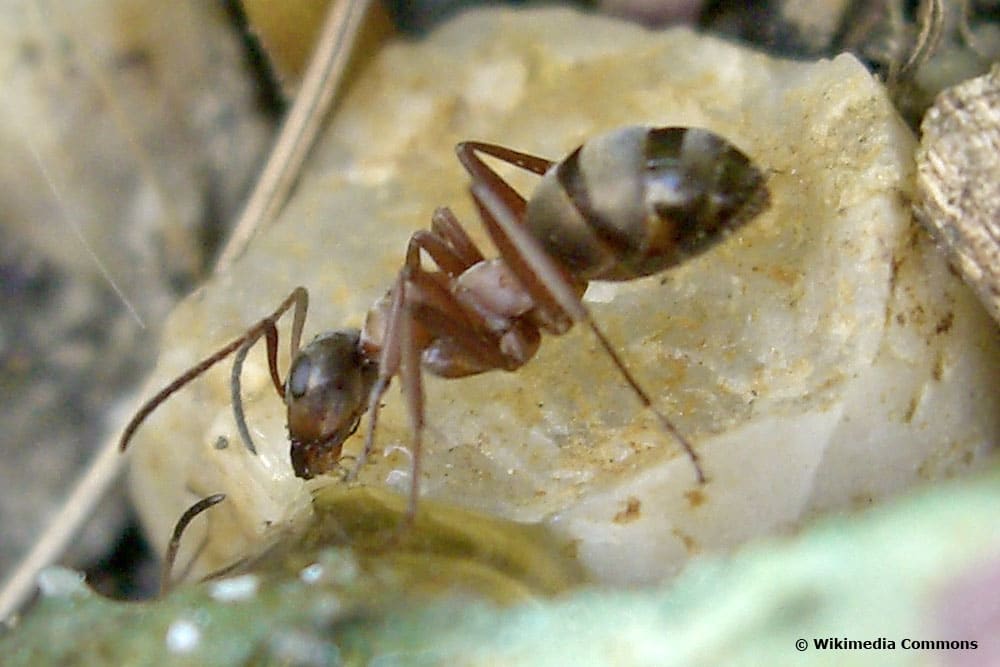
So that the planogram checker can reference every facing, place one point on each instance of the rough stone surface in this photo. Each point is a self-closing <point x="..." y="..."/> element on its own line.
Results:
<point x="958" y="181"/>
<point x="822" y="358"/>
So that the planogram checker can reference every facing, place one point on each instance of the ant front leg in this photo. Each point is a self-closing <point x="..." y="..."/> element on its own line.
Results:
<point x="550" y="285"/>
<point x="399" y="352"/>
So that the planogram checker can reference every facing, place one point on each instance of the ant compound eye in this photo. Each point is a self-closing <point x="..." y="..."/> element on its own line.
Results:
<point x="324" y="366"/>
<point x="298" y="376"/>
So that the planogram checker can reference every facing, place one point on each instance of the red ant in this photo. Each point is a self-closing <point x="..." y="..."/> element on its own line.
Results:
<point x="627" y="204"/>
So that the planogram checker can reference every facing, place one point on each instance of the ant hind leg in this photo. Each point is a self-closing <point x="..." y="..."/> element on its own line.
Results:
<point x="555" y="292"/>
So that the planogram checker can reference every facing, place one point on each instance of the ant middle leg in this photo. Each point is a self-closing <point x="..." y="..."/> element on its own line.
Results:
<point x="447" y="243"/>
<point x="446" y="225"/>
<point x="428" y="316"/>
<point x="450" y="247"/>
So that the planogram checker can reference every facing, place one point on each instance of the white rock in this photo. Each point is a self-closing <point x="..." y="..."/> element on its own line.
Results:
<point x="822" y="358"/>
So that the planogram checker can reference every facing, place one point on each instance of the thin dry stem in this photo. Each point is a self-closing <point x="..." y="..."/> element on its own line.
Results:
<point x="298" y="133"/>
<point x="930" y="17"/>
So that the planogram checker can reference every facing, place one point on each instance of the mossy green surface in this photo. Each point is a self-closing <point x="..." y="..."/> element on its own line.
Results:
<point x="925" y="568"/>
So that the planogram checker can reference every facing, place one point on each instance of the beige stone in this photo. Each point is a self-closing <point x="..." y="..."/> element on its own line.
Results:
<point x="821" y="358"/>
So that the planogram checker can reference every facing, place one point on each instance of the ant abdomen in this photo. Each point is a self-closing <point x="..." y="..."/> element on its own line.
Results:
<point x="638" y="200"/>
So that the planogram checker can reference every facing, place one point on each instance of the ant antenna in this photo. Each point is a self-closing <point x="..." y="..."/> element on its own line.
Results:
<point x="175" y="540"/>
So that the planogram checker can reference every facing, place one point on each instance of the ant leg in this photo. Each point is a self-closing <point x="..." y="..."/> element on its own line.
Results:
<point x="441" y="317"/>
<point x="421" y="308"/>
<point x="427" y="309"/>
<point x="452" y="250"/>
<point x="299" y="298"/>
<point x="413" y="390"/>
<point x="447" y="243"/>
<point x="549" y="285"/>
<point x="388" y="364"/>
<point x="539" y="274"/>
<point x="481" y="172"/>
<point x="446" y="225"/>
<point x="440" y="251"/>
<point x="175" y="539"/>
<point x="556" y="317"/>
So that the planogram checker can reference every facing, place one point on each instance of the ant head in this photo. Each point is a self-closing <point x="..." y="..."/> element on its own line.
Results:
<point x="326" y="393"/>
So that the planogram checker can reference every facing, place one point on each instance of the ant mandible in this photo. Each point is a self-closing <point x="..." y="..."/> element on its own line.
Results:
<point x="627" y="204"/>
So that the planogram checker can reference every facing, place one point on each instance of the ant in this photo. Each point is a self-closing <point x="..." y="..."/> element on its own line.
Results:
<point x="627" y="204"/>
